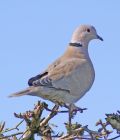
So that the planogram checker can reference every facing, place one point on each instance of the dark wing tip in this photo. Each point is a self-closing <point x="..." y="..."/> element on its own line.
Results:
<point x="31" y="80"/>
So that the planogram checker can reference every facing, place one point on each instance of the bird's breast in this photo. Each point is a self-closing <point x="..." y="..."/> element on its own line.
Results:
<point x="82" y="79"/>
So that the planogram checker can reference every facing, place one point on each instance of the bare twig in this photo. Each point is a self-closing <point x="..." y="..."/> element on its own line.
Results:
<point x="15" y="134"/>
<point x="114" y="137"/>
<point x="62" y="111"/>
<point x="51" y="115"/>
<point x="16" y="127"/>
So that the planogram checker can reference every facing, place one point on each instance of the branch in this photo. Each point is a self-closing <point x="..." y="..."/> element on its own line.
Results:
<point x="37" y="123"/>
<point x="15" y="134"/>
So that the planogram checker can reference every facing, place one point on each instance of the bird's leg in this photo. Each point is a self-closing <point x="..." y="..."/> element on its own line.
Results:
<point x="70" y="118"/>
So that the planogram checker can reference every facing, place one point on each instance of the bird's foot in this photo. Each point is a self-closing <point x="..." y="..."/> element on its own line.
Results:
<point x="78" y="109"/>
<point x="74" y="109"/>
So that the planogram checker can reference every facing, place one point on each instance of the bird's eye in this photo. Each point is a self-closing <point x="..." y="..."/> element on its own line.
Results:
<point x="88" y="30"/>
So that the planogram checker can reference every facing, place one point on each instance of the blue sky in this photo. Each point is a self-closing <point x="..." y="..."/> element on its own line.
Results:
<point x="34" y="33"/>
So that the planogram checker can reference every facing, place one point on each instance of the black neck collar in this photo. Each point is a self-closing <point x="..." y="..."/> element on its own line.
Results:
<point x="75" y="44"/>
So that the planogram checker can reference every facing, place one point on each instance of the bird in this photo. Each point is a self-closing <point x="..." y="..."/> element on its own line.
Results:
<point x="69" y="77"/>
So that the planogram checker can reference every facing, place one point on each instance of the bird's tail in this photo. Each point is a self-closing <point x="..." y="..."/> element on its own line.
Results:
<point x="27" y="91"/>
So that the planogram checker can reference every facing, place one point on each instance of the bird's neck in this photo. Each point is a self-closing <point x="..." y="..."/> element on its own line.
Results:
<point x="78" y="52"/>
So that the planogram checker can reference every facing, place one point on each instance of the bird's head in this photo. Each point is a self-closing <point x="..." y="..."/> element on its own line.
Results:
<point x="84" y="34"/>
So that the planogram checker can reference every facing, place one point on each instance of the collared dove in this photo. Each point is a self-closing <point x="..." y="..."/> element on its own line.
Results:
<point x="70" y="77"/>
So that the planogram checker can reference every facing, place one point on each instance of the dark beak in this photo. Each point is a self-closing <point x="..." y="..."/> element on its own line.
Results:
<point x="100" y="38"/>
